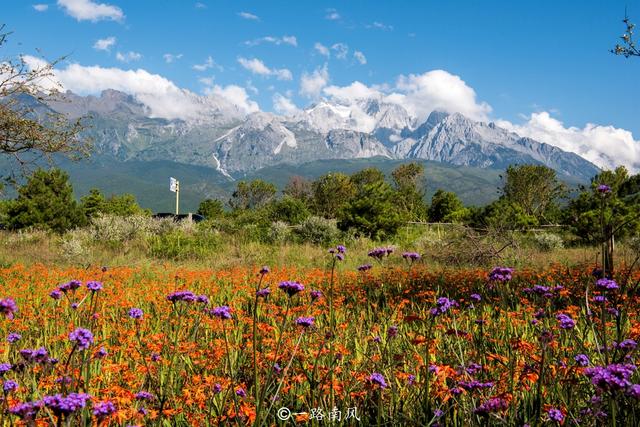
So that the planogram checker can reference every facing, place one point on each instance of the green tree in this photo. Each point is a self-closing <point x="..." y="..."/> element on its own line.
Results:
<point x="46" y="201"/>
<point x="289" y="210"/>
<point x="535" y="189"/>
<point x="367" y="176"/>
<point x="299" y="188"/>
<point x="408" y="180"/>
<point x="210" y="208"/>
<point x="331" y="192"/>
<point x="93" y="203"/>
<point x="447" y="207"/>
<point x="252" y="195"/>
<point x="123" y="205"/>
<point x="372" y="213"/>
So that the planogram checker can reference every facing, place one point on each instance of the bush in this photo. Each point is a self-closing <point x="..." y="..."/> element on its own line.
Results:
<point x="117" y="229"/>
<point x="185" y="243"/>
<point x="317" y="230"/>
<point x="548" y="242"/>
<point x="279" y="232"/>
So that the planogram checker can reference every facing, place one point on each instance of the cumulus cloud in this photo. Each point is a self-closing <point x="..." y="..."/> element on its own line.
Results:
<point x="359" y="56"/>
<point x="128" y="56"/>
<point x="605" y="146"/>
<point x="380" y="26"/>
<point x="322" y="49"/>
<point x="311" y="85"/>
<point x="41" y="7"/>
<point x="163" y="97"/>
<point x="104" y="44"/>
<point x="208" y="63"/>
<point x="248" y="16"/>
<point x="341" y="50"/>
<point x="290" y="40"/>
<point x="332" y="15"/>
<point x="256" y="66"/>
<point x="88" y="10"/>
<point x="284" y="105"/>
<point x="236" y="95"/>
<point x="351" y="93"/>
<point x="200" y="5"/>
<point x="170" y="57"/>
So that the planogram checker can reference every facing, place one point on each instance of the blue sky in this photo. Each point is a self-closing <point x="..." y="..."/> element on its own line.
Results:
<point x="518" y="58"/>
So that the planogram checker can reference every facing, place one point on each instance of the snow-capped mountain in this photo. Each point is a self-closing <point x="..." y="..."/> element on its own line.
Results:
<point x="223" y="137"/>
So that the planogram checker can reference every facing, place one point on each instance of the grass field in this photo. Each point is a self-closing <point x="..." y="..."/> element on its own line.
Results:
<point x="402" y="343"/>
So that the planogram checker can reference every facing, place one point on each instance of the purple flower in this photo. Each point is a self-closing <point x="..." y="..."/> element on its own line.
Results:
<point x="500" y="274"/>
<point x="291" y="288"/>
<point x="8" y="307"/>
<point x="185" y="296"/>
<point x="599" y="298"/>
<point x="411" y="256"/>
<point x="144" y="395"/>
<point x="379" y="253"/>
<point x="241" y="392"/>
<point x="475" y="385"/>
<point x="9" y="385"/>
<point x="203" y="299"/>
<point x="135" y="313"/>
<point x="4" y="368"/>
<point x="221" y="312"/>
<point x="566" y="322"/>
<point x="64" y="405"/>
<point x="365" y="267"/>
<point x="101" y="353"/>
<point x="217" y="388"/>
<point x="627" y="345"/>
<point x="103" y="409"/>
<point x="604" y="189"/>
<point x="13" y="337"/>
<point x="392" y="331"/>
<point x="473" y="368"/>
<point x="377" y="378"/>
<point x="94" y="286"/>
<point x="155" y="357"/>
<point x="582" y="359"/>
<point x="443" y="304"/>
<point x="264" y="270"/>
<point x="82" y="338"/>
<point x="315" y="295"/>
<point x="277" y="368"/>
<point x="40" y="355"/>
<point x="611" y="378"/>
<point x="55" y="294"/>
<point x="305" y="322"/>
<point x="475" y="297"/>
<point x="634" y="391"/>
<point x="70" y="286"/>
<point x="495" y="404"/>
<point x="263" y="293"/>
<point x="27" y="410"/>
<point x="340" y="257"/>
<point x="606" y="284"/>
<point x="555" y="415"/>
<point x="341" y="249"/>
<point x="411" y="379"/>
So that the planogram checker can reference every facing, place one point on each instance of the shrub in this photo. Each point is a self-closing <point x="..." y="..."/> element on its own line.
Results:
<point x="548" y="242"/>
<point x="317" y="230"/>
<point x="279" y="232"/>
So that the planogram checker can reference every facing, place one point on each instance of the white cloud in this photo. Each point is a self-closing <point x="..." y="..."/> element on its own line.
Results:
<point x="88" y="10"/>
<point x="322" y="49"/>
<point x="332" y="15"/>
<point x="359" y="56"/>
<point x="351" y="93"/>
<point x="605" y="146"/>
<point x="256" y="66"/>
<point x="423" y="93"/>
<point x="249" y="16"/>
<point x="236" y="95"/>
<point x="170" y="57"/>
<point x="341" y="50"/>
<point x="128" y="56"/>
<point x="290" y="40"/>
<point x="312" y="84"/>
<point x="41" y="7"/>
<point x="163" y="97"/>
<point x="283" y="105"/>
<point x="380" y="26"/>
<point x="104" y="44"/>
<point x="207" y="81"/>
<point x="208" y="63"/>
<point x="200" y="5"/>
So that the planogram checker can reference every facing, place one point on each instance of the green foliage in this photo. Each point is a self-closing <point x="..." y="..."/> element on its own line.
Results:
<point x="318" y="230"/>
<point x="506" y="215"/>
<point x="548" y="242"/>
<point x="46" y="201"/>
<point x="408" y="179"/>
<point x="370" y="175"/>
<point x="446" y="207"/>
<point x="535" y="189"/>
<point x="299" y="188"/>
<point x="252" y="195"/>
<point x="331" y="192"/>
<point x="178" y="244"/>
<point x="372" y="213"/>
<point x="95" y="203"/>
<point x="288" y="209"/>
<point x="211" y="209"/>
